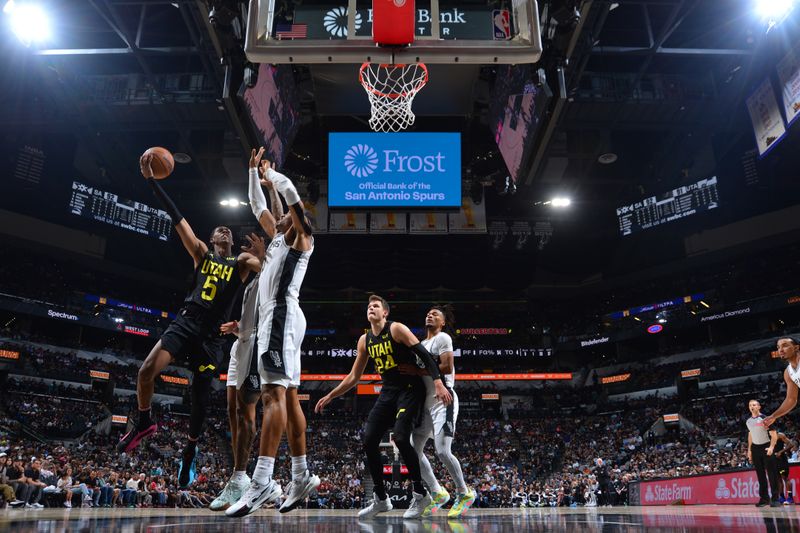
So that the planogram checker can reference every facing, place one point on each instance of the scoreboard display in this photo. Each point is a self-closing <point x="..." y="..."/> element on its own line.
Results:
<point x="676" y="204"/>
<point x="95" y="204"/>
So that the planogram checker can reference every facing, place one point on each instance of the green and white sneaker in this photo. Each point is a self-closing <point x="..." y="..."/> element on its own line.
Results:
<point x="462" y="503"/>
<point x="230" y="494"/>
<point x="438" y="500"/>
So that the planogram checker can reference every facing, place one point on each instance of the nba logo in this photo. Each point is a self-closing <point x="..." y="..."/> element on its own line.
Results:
<point x="502" y="24"/>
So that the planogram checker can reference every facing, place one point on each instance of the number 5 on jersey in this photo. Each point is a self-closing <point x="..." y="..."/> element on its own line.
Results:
<point x="210" y="286"/>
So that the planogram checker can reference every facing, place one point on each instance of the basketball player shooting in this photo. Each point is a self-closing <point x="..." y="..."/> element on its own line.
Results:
<point x="394" y="350"/>
<point x="193" y="337"/>
<point x="789" y="351"/>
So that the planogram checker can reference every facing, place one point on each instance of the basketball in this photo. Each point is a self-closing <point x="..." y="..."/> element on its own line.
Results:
<point x="163" y="163"/>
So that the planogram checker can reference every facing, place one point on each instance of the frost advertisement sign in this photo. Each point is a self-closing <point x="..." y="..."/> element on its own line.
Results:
<point x="396" y="170"/>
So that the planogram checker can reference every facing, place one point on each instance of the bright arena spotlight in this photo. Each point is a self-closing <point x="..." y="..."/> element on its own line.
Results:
<point x="561" y="201"/>
<point x="28" y="21"/>
<point x="774" y="10"/>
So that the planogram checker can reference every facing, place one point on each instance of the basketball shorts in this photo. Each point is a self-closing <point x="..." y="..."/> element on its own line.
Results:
<point x="241" y="368"/>
<point x="783" y="466"/>
<point x="193" y="344"/>
<point x="439" y="417"/>
<point x="281" y="333"/>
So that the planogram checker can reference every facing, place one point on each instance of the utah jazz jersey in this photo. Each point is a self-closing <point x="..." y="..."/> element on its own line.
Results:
<point x="393" y="361"/>
<point x="216" y="280"/>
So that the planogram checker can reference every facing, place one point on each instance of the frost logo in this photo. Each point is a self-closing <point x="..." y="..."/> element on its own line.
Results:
<point x="335" y="21"/>
<point x="722" y="492"/>
<point x="649" y="496"/>
<point x="361" y="160"/>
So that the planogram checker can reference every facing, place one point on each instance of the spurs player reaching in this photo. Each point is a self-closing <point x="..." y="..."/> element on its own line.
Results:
<point x="243" y="383"/>
<point x="280" y="331"/>
<point x="439" y="420"/>
<point x="789" y="351"/>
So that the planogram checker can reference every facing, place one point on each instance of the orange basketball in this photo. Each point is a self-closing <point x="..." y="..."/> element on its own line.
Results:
<point x="163" y="163"/>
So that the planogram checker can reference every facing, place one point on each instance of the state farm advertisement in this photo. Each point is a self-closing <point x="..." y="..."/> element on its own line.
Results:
<point x="729" y="488"/>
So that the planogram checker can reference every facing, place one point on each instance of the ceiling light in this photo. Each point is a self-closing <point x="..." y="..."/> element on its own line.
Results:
<point x="773" y="10"/>
<point x="224" y="202"/>
<point x="704" y="304"/>
<point x="29" y="22"/>
<point x="607" y="158"/>
<point x="560" y="202"/>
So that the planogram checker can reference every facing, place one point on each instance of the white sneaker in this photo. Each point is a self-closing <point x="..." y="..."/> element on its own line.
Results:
<point x="230" y="494"/>
<point x="37" y="506"/>
<point x="418" y="505"/>
<point x="299" y="490"/>
<point x="377" y="506"/>
<point x="256" y="495"/>
<point x="68" y="503"/>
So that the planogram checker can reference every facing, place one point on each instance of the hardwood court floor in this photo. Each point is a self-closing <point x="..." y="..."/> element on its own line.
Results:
<point x="731" y="518"/>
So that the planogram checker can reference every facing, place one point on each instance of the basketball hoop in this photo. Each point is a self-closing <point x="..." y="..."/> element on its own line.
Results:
<point x="391" y="90"/>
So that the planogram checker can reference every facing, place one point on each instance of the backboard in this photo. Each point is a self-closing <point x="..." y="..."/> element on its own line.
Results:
<point x="340" y="31"/>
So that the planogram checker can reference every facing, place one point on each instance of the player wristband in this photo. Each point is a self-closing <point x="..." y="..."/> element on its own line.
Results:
<point x="166" y="202"/>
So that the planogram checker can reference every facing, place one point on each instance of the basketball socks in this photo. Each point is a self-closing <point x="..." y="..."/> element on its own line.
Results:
<point x="145" y="418"/>
<point x="239" y="476"/>
<point x="380" y="491"/>
<point x="264" y="469"/>
<point x="299" y="467"/>
<point x="419" y="488"/>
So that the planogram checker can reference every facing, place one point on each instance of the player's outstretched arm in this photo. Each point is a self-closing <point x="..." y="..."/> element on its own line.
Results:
<point x="287" y="189"/>
<point x="252" y="256"/>
<point x="275" y="203"/>
<point x="196" y="248"/>
<point x="352" y="378"/>
<point x="789" y="403"/>
<point x="258" y="202"/>
<point x="403" y="335"/>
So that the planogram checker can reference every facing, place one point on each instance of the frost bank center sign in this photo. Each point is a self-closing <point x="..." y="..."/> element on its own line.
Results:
<point x="398" y="170"/>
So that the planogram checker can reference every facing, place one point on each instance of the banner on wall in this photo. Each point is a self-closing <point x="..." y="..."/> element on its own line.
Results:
<point x="347" y="223"/>
<point x="789" y="76"/>
<point x="766" y="117"/>
<point x="427" y="223"/>
<point x="387" y="223"/>
<point x="471" y="218"/>
<point x="317" y="212"/>
<point x="739" y="487"/>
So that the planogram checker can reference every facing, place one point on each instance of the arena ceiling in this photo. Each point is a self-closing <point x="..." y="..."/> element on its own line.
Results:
<point x="659" y="83"/>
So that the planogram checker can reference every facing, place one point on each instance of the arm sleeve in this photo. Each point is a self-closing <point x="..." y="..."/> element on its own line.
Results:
<point x="258" y="202"/>
<point x="166" y="202"/>
<point x="284" y="186"/>
<point x="427" y="359"/>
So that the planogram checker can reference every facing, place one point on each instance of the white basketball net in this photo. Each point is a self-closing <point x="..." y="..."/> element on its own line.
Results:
<point x="391" y="90"/>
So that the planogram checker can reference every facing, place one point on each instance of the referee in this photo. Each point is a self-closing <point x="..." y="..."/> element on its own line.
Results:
<point x="760" y="452"/>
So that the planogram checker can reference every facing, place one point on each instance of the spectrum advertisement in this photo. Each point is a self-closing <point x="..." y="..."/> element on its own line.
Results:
<point x="394" y="170"/>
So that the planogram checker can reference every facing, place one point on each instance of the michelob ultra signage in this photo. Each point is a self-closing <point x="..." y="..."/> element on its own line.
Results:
<point x="394" y="170"/>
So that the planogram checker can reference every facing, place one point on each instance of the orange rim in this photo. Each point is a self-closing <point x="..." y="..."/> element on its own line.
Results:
<point x="376" y="92"/>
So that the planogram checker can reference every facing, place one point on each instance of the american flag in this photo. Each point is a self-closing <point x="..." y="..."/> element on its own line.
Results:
<point x="291" y="31"/>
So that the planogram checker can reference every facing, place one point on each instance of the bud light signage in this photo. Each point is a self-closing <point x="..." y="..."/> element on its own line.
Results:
<point x="394" y="170"/>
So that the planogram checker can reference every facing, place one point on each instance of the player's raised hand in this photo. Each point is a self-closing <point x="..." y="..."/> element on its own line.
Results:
<point x="145" y="165"/>
<point x="262" y="170"/>
<point x="229" y="328"/>
<point x="322" y="403"/>
<point x="255" y="245"/>
<point x="255" y="157"/>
